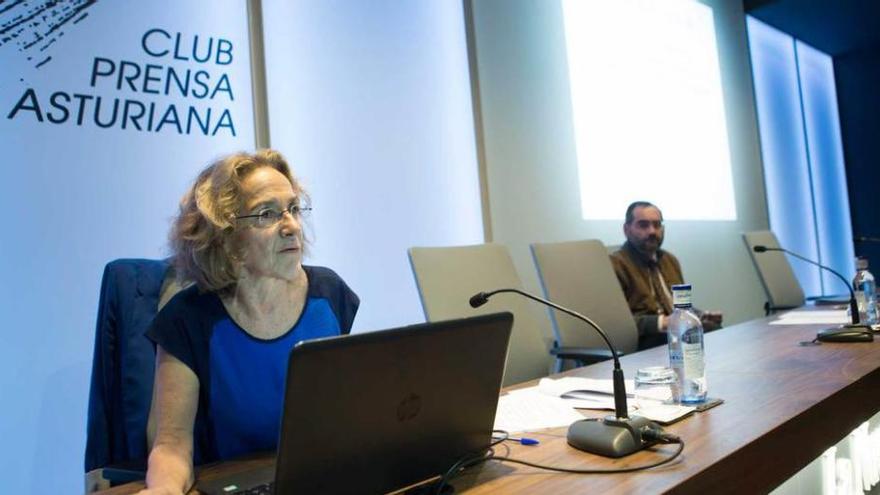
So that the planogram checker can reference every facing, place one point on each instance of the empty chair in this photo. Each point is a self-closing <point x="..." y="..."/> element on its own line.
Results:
<point x="782" y="287"/>
<point x="579" y="276"/>
<point x="448" y="276"/>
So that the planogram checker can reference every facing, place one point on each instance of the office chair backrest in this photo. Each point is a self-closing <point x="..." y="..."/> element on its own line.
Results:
<point x="448" y="276"/>
<point x="132" y="291"/>
<point x="782" y="287"/>
<point x="579" y="276"/>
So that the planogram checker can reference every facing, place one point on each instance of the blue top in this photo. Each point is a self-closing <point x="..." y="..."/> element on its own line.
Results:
<point x="241" y="377"/>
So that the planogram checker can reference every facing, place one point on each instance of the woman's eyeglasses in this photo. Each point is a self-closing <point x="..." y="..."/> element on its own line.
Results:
<point x="270" y="217"/>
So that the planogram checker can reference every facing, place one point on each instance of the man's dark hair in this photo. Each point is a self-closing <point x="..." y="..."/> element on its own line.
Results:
<point x="638" y="204"/>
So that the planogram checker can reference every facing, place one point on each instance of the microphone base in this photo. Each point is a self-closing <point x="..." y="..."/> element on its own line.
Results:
<point x="610" y="437"/>
<point x="846" y="333"/>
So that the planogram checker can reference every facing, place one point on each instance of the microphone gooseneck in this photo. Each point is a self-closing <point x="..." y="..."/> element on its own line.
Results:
<point x="614" y="436"/>
<point x="482" y="298"/>
<point x="853" y="305"/>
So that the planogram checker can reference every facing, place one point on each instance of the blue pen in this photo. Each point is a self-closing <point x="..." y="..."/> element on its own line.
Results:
<point x="524" y="440"/>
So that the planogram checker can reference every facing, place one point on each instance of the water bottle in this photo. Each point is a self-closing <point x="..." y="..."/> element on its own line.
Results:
<point x="686" y="352"/>
<point x="866" y="293"/>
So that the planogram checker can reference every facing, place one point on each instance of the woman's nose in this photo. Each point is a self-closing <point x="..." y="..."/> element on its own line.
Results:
<point x="289" y="224"/>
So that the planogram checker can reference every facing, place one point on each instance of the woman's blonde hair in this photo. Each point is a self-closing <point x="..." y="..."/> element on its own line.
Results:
<point x="201" y="236"/>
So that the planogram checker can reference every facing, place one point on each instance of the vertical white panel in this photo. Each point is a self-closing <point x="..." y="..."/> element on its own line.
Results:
<point x="75" y="195"/>
<point x="783" y="146"/>
<point x="371" y="103"/>
<point x="828" y="171"/>
<point x="803" y="155"/>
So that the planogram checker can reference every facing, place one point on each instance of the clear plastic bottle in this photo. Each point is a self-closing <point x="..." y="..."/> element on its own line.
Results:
<point x="686" y="351"/>
<point x="866" y="293"/>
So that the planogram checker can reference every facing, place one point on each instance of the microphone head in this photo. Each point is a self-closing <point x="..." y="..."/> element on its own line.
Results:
<point x="760" y="249"/>
<point x="479" y="299"/>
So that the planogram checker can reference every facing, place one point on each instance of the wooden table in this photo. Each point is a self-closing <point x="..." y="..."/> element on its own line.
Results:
<point x="784" y="404"/>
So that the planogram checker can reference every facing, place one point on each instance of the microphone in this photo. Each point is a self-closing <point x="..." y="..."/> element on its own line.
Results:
<point x="479" y="299"/>
<point x="829" y="333"/>
<point x="614" y="436"/>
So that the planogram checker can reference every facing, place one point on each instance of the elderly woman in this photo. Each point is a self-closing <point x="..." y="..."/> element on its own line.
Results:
<point x="222" y="344"/>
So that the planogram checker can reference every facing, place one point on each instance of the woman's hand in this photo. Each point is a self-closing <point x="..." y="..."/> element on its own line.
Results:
<point x="160" y="491"/>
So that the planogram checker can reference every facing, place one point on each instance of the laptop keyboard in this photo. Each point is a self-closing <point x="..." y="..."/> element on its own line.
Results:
<point x="264" y="489"/>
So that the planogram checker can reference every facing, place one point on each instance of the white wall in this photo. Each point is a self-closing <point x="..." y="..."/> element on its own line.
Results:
<point x="371" y="103"/>
<point x="73" y="198"/>
<point x="531" y="158"/>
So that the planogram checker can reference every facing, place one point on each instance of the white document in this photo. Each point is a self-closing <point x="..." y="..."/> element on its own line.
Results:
<point x="537" y="407"/>
<point x="664" y="413"/>
<point x="819" y="317"/>
<point x="587" y="400"/>
<point x="821" y="313"/>
<point x="564" y="385"/>
<point x="528" y="409"/>
<point x="584" y="393"/>
<point x="593" y="393"/>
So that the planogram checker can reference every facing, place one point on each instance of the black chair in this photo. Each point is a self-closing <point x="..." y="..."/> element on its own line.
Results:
<point x="122" y="372"/>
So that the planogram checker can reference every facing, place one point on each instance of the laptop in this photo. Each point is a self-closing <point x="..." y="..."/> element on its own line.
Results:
<point x="380" y="411"/>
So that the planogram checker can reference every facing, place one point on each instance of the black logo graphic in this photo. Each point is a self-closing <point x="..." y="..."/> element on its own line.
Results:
<point x="33" y="26"/>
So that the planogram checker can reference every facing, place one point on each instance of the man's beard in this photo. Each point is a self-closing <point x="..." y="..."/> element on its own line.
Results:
<point x="647" y="246"/>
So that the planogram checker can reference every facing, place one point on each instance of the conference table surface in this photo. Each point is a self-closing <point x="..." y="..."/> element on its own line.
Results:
<point x="784" y="404"/>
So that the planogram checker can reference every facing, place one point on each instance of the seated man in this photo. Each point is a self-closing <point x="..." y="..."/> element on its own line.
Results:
<point x="647" y="273"/>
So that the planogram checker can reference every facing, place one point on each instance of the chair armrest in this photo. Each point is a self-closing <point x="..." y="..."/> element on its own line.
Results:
<point x="125" y="472"/>
<point x="584" y="355"/>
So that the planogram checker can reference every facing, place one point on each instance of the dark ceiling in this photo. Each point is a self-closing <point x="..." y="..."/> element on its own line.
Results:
<point x="832" y="26"/>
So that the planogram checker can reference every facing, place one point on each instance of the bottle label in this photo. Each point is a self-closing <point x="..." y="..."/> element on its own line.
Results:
<point x="692" y="355"/>
<point x="862" y="302"/>
<point x="675" y="358"/>
<point x="681" y="297"/>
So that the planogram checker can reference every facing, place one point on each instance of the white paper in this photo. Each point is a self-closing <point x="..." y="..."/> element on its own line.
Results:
<point x="584" y="393"/>
<point x="823" y="313"/>
<point x="568" y="384"/>
<point x="528" y="409"/>
<point x="587" y="400"/>
<point x="664" y="412"/>
<point x="536" y="407"/>
<point x="820" y="317"/>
